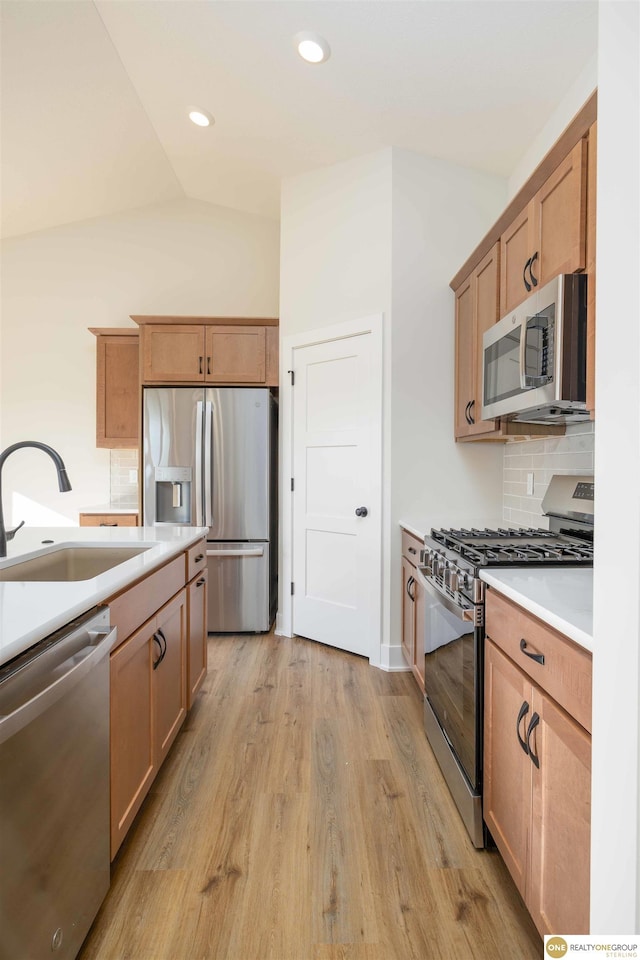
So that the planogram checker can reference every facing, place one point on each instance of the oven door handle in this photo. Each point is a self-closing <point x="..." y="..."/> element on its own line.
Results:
<point x="467" y="615"/>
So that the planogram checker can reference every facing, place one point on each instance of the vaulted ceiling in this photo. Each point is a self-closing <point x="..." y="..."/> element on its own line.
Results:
<point x="95" y="95"/>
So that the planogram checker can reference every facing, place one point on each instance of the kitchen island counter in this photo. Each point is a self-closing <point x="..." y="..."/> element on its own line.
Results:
<point x="30" y="611"/>
<point x="562" y="597"/>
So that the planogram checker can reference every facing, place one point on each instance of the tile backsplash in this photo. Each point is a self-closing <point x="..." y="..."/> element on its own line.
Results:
<point x="123" y="490"/>
<point x="571" y="454"/>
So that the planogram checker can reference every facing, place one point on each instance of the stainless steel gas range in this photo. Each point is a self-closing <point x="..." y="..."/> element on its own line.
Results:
<point x="454" y="625"/>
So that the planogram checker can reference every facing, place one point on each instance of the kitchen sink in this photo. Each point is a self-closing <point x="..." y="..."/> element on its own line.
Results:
<point x="70" y="563"/>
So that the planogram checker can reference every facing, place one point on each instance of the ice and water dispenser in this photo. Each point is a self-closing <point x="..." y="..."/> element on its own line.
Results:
<point x="173" y="494"/>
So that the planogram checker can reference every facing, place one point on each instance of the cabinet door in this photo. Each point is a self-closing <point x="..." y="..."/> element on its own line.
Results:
<point x="465" y="360"/>
<point x="235" y="354"/>
<point x="170" y="674"/>
<point x="408" y="611"/>
<point x="419" y="627"/>
<point x="561" y="216"/>
<point x="517" y="245"/>
<point x="561" y="827"/>
<point x="507" y="768"/>
<point x="173" y="353"/>
<point x="132" y="753"/>
<point x="197" y="635"/>
<point x="486" y="279"/>
<point x="117" y="392"/>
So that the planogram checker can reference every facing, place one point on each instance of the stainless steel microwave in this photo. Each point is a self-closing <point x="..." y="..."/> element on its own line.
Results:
<point x="535" y="359"/>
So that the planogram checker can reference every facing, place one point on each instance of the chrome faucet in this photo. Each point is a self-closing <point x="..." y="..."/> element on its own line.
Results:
<point x="63" y="484"/>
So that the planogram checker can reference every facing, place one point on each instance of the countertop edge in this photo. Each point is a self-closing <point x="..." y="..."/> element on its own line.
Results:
<point x="547" y="615"/>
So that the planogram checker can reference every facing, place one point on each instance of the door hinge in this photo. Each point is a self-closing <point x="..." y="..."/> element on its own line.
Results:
<point x="293" y="376"/>
<point x="291" y="484"/>
<point x="292" y="591"/>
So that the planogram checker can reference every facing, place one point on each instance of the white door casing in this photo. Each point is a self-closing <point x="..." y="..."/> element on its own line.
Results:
<point x="335" y="436"/>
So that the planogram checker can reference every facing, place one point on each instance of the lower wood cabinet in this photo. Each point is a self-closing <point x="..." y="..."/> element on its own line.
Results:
<point x="537" y="782"/>
<point x="413" y="607"/>
<point x="148" y="706"/>
<point x="197" y="635"/>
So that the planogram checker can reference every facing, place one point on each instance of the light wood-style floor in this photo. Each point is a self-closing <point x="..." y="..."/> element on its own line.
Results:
<point x="302" y="816"/>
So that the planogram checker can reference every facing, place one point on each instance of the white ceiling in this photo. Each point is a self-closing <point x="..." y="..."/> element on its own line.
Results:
<point x="95" y="95"/>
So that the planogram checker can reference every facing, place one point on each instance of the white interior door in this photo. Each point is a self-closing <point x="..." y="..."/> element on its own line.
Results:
<point x="336" y="463"/>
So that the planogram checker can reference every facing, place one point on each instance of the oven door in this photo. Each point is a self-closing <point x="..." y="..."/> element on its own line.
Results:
<point x="452" y="647"/>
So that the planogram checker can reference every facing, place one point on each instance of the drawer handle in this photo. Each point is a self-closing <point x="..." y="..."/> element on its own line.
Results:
<point x="524" y="710"/>
<point x="538" y="657"/>
<point x="199" y="558"/>
<point x="412" y="550"/>
<point x="535" y="720"/>
<point x="156" y="663"/>
<point x="108" y="524"/>
<point x="200" y="582"/>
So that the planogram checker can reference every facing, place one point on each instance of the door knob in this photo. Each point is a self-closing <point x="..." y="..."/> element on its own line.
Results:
<point x="361" y="511"/>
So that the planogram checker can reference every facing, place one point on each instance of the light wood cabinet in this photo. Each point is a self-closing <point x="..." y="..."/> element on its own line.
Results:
<point x="537" y="764"/>
<point x="197" y="635"/>
<point x="117" y="391"/>
<point x="152" y="678"/>
<point x="413" y="607"/>
<point x="476" y="311"/>
<point x="548" y="236"/>
<point x="214" y="351"/>
<point x="108" y="520"/>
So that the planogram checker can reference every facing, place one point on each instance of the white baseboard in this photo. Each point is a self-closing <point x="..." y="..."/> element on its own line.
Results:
<point x="392" y="659"/>
<point x="278" y="629"/>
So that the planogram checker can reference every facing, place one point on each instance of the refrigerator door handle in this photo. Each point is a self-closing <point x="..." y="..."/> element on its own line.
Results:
<point x="208" y="463"/>
<point x="249" y="552"/>
<point x="198" y="477"/>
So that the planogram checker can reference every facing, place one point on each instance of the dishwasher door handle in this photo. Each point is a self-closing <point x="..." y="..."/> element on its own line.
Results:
<point x="74" y="669"/>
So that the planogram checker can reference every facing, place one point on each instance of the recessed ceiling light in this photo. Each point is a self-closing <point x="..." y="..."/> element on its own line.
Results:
<point x="200" y="117"/>
<point x="312" y="47"/>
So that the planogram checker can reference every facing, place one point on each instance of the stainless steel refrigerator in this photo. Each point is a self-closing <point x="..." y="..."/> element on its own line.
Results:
<point x="210" y="459"/>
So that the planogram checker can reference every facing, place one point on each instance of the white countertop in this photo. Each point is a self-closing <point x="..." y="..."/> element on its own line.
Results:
<point x="30" y="611"/>
<point x="560" y="596"/>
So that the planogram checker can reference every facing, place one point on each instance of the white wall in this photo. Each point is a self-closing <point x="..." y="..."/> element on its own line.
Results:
<point x="384" y="234"/>
<point x="184" y="257"/>
<point x="440" y="213"/>
<point x="615" y="884"/>
<point x="566" y="108"/>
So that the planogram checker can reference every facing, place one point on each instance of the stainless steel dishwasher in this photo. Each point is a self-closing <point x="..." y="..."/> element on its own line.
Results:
<point x="54" y="790"/>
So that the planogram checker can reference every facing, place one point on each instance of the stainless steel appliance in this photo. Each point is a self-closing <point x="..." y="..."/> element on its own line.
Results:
<point x="210" y="459"/>
<point x="453" y="636"/>
<point x="54" y="790"/>
<point x="535" y="359"/>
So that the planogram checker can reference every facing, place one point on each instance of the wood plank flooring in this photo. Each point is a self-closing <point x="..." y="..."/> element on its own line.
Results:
<point x="302" y="816"/>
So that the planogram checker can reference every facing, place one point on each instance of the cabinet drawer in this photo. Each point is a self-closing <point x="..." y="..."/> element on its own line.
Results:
<point x="566" y="672"/>
<point x="411" y="547"/>
<point x="138" y="603"/>
<point x="196" y="559"/>
<point x="108" y="519"/>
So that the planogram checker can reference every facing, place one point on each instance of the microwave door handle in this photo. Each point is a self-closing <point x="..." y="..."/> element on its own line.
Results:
<point x="523" y="350"/>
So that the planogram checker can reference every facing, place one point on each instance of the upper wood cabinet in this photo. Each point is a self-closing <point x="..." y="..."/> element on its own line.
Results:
<point x="209" y="350"/>
<point x="548" y="236"/>
<point x="476" y="311"/>
<point x="117" y="394"/>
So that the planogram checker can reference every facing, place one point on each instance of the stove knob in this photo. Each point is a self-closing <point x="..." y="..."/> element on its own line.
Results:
<point x="452" y="579"/>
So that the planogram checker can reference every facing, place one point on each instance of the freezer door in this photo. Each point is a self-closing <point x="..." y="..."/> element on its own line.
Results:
<point x="237" y="463"/>
<point x="173" y="424"/>
<point x="239" y="587"/>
